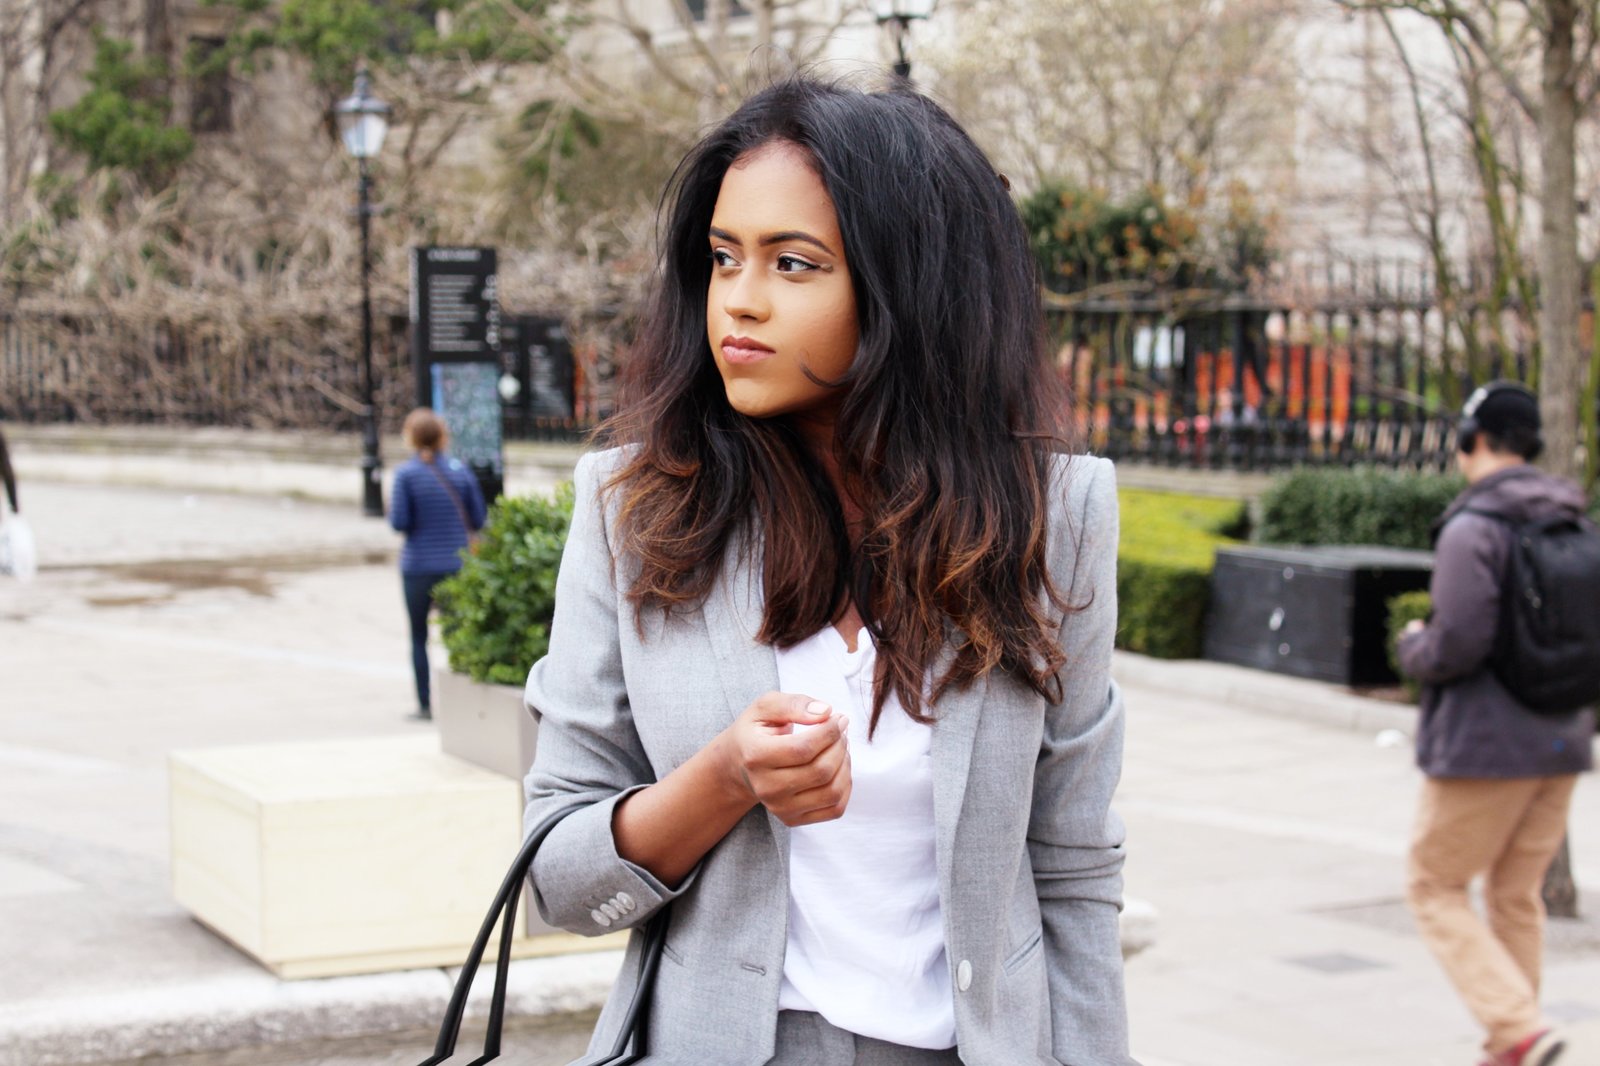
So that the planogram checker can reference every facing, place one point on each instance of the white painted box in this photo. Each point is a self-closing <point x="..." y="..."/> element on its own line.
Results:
<point x="346" y="856"/>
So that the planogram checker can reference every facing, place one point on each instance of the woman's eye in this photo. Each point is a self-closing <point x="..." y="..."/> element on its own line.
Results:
<point x="793" y="264"/>
<point x="722" y="258"/>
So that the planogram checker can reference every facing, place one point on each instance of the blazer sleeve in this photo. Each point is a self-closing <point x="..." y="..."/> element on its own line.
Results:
<point x="1074" y="838"/>
<point x="589" y="755"/>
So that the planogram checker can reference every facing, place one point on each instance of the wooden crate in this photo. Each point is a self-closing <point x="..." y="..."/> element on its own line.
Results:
<point x="347" y="856"/>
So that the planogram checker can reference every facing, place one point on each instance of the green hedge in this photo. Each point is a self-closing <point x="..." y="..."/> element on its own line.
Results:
<point x="495" y="613"/>
<point x="1168" y="545"/>
<point x="1360" y="506"/>
<point x="1402" y="610"/>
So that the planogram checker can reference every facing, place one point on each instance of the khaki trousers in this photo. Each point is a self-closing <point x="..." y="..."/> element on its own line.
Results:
<point x="1508" y="830"/>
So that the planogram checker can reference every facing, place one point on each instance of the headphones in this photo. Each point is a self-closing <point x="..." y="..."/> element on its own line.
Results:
<point x="1467" y="429"/>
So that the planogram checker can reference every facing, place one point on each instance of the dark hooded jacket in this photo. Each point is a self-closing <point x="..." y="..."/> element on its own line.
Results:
<point x="1470" y="725"/>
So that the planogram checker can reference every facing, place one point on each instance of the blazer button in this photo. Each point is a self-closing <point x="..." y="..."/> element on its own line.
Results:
<point x="610" y="911"/>
<point x="599" y="918"/>
<point x="624" y="902"/>
<point x="964" y="975"/>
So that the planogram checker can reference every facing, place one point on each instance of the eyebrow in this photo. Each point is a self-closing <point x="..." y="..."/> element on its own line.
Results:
<point x="773" y="238"/>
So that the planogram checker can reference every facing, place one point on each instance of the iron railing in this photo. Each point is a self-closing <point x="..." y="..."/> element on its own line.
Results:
<point x="1186" y="379"/>
<point x="1247" y="384"/>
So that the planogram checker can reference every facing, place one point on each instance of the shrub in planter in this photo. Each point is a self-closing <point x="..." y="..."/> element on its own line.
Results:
<point x="1403" y="609"/>
<point x="1168" y="545"/>
<point x="1364" y="505"/>
<point x="495" y="612"/>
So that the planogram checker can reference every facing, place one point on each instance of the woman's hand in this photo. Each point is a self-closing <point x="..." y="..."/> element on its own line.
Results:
<point x="786" y="752"/>
<point x="790" y="753"/>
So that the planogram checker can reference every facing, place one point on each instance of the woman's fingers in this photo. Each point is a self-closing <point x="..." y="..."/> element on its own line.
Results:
<point x="792" y="730"/>
<point x="793" y="757"/>
<point x="800" y="748"/>
<point x="821" y="804"/>
<point x="777" y="783"/>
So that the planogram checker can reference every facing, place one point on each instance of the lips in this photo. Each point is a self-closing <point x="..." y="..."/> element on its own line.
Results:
<point x="743" y="350"/>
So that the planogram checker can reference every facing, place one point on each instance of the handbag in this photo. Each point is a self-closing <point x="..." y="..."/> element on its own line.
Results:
<point x="18" y="556"/>
<point x="630" y="1045"/>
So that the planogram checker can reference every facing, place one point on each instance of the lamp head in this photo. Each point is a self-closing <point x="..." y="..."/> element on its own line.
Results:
<point x="363" y="119"/>
<point x="902" y="10"/>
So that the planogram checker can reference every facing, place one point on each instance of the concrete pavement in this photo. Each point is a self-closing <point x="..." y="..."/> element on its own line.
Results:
<point x="1267" y="816"/>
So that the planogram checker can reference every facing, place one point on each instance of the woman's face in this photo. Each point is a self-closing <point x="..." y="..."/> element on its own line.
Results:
<point x="780" y="300"/>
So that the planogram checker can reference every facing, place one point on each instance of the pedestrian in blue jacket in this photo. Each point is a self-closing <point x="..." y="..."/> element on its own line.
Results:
<point x="438" y="506"/>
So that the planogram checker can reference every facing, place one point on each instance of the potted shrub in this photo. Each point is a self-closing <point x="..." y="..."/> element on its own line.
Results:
<point x="495" y="621"/>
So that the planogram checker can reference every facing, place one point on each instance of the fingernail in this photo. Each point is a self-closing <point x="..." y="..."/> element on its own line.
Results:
<point x="844" y="723"/>
<point x="817" y="707"/>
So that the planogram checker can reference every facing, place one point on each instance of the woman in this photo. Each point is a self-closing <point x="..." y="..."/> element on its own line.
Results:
<point x="438" y="506"/>
<point x="830" y="661"/>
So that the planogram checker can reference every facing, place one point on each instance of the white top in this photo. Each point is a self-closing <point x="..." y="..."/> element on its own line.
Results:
<point x="866" y="938"/>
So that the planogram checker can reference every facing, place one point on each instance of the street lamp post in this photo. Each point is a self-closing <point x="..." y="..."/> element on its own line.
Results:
<point x="363" y="121"/>
<point x="898" y="15"/>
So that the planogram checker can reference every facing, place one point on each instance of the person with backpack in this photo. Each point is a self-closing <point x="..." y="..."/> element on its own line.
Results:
<point x="1508" y="663"/>
<point x="438" y="506"/>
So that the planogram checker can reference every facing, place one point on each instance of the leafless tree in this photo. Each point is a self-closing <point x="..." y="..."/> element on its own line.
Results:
<point x="1122" y="94"/>
<point x="1539" y="56"/>
<point x="38" y="38"/>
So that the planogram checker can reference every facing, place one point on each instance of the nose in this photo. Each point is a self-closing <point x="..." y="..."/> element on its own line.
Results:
<point x="745" y="297"/>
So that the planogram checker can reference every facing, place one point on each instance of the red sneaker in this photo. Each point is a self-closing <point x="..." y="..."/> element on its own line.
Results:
<point x="1541" y="1049"/>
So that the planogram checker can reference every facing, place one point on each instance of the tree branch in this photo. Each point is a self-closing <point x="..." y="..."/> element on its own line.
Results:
<point x="1446" y="12"/>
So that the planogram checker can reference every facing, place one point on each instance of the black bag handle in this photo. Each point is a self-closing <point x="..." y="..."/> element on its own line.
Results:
<point x="455" y="498"/>
<point x="630" y="1045"/>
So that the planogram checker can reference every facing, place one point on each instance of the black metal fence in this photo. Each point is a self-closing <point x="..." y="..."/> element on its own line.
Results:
<point x="1246" y="384"/>
<point x="260" y="373"/>
<point x="263" y="373"/>
<point x="1200" y="380"/>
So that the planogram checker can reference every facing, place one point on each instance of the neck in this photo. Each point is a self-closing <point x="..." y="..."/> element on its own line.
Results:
<point x="1478" y="467"/>
<point x="817" y="436"/>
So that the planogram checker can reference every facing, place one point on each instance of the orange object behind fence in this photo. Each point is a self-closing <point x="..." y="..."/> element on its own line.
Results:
<point x="1155" y="405"/>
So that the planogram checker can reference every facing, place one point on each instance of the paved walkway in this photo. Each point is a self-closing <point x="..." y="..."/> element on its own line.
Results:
<point x="1267" y="817"/>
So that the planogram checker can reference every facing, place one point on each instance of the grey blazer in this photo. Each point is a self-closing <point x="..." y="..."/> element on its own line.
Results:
<point x="1029" y="852"/>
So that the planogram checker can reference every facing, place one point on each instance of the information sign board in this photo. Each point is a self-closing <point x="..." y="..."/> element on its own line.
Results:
<point x="541" y="359"/>
<point x="455" y="352"/>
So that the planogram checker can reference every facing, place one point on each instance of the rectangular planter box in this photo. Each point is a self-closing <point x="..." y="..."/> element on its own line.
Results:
<point x="1319" y="613"/>
<point x="351" y="856"/>
<point x="486" y="725"/>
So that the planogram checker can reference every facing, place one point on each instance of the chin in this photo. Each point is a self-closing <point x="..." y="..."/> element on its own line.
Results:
<point x="752" y="403"/>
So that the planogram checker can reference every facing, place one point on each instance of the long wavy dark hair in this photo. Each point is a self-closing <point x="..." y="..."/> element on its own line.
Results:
<point x="945" y="435"/>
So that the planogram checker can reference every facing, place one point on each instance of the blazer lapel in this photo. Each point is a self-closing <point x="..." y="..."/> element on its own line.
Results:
<point x="955" y="728"/>
<point x="733" y="615"/>
<point x="746" y="667"/>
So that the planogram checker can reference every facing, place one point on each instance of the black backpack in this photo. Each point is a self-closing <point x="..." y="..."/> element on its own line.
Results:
<point x="1547" y="647"/>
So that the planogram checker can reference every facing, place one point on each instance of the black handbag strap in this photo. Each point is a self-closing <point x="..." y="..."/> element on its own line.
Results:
<point x="455" y="497"/>
<point x="630" y="1045"/>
